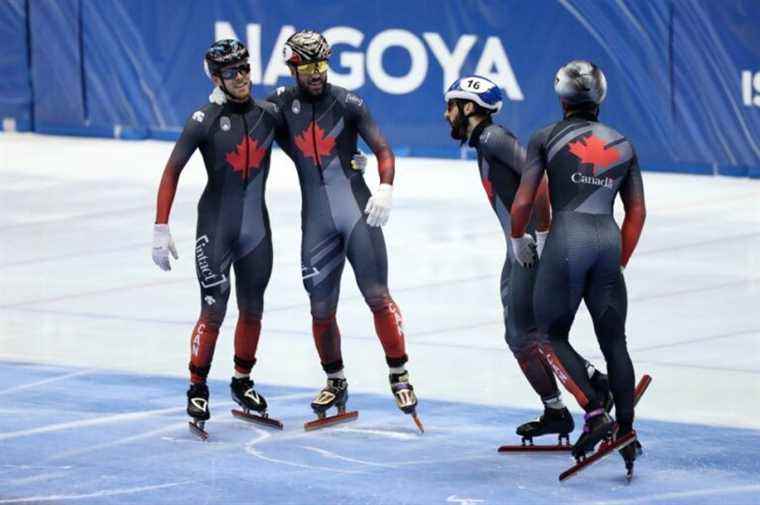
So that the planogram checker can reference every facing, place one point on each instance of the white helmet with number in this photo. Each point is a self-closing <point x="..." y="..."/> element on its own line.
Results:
<point x="480" y="90"/>
<point x="580" y="81"/>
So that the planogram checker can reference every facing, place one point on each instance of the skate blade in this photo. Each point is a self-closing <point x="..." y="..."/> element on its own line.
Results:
<point x="261" y="420"/>
<point x="629" y="474"/>
<point x="604" y="450"/>
<point x="417" y="421"/>
<point x="641" y="388"/>
<point x="527" y="445"/>
<point x="196" y="430"/>
<point x="331" y="420"/>
<point x="536" y="448"/>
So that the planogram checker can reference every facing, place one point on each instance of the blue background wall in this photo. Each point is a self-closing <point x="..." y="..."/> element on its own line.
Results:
<point x="684" y="75"/>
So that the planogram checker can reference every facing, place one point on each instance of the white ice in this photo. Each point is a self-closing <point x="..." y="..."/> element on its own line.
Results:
<point x="78" y="286"/>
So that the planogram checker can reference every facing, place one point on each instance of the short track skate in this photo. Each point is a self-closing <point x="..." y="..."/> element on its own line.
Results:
<point x="334" y="394"/>
<point x="197" y="409"/>
<point x="553" y="421"/>
<point x="253" y="405"/>
<point x="406" y="400"/>
<point x="627" y="444"/>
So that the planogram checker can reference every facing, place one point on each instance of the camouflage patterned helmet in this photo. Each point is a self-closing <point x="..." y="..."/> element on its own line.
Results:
<point x="579" y="82"/>
<point x="222" y="53"/>
<point x="306" y="46"/>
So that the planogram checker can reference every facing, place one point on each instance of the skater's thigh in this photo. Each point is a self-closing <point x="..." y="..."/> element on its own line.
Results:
<point x="557" y="291"/>
<point x="521" y="329"/>
<point x="252" y="273"/>
<point x="605" y="293"/>
<point x="213" y="256"/>
<point x="368" y="257"/>
<point x="607" y="301"/>
<point x="323" y="257"/>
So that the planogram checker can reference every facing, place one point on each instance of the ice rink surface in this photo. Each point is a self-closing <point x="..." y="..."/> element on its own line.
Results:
<point x="94" y="343"/>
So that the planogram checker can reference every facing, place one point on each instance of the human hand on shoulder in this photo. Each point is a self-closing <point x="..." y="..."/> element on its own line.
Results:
<point x="217" y="96"/>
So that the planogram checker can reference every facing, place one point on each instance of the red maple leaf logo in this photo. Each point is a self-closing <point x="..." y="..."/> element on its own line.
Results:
<point x="237" y="157"/>
<point x="314" y="143"/>
<point x="488" y="187"/>
<point x="592" y="150"/>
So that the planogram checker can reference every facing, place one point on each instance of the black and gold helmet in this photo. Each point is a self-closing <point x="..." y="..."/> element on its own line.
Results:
<point x="306" y="46"/>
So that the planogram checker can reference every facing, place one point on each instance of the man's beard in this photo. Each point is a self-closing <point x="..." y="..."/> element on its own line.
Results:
<point x="459" y="130"/>
<point x="307" y="89"/>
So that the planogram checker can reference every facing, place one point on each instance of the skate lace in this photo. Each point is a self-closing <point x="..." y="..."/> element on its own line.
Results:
<point x="198" y="391"/>
<point x="335" y="386"/>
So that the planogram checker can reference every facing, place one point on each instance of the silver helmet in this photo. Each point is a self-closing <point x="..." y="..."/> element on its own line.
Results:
<point x="580" y="81"/>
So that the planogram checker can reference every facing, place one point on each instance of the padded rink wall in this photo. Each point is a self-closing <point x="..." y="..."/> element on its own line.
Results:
<point x="684" y="75"/>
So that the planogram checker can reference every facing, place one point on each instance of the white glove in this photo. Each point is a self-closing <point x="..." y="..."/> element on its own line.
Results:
<point x="525" y="250"/>
<point x="163" y="244"/>
<point x="359" y="162"/>
<point x="379" y="206"/>
<point x="217" y="96"/>
<point x="541" y="241"/>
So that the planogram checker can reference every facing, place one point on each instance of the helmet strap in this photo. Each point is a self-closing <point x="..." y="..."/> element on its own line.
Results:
<point x="227" y="93"/>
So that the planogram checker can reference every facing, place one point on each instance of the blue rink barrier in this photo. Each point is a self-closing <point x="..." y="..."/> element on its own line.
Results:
<point x="68" y="434"/>
<point x="684" y="77"/>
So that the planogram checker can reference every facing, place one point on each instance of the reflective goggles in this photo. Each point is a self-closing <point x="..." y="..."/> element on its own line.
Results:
<point x="318" y="67"/>
<point x="232" y="72"/>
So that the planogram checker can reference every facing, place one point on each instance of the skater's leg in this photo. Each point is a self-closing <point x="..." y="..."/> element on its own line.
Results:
<point x="522" y="335"/>
<point x="323" y="259"/>
<point x="607" y="302"/>
<point x="367" y="254"/>
<point x="252" y="273"/>
<point x="213" y="259"/>
<point x="212" y="262"/>
<point x="559" y="286"/>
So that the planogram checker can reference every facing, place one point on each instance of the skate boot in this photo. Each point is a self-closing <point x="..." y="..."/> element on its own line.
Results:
<point x="598" y="427"/>
<point x="629" y="452"/>
<point x="334" y="394"/>
<point x="254" y="405"/>
<point x="406" y="400"/>
<point x="197" y="409"/>
<point x="601" y="386"/>
<point x="244" y="395"/>
<point x="557" y="421"/>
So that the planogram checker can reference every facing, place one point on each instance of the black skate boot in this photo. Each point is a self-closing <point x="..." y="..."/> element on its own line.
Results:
<point x="629" y="452"/>
<point x="254" y="405"/>
<point x="197" y="409"/>
<point x="598" y="427"/>
<point x="601" y="386"/>
<point x="557" y="421"/>
<point x="244" y="395"/>
<point x="334" y="394"/>
<point x="406" y="400"/>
